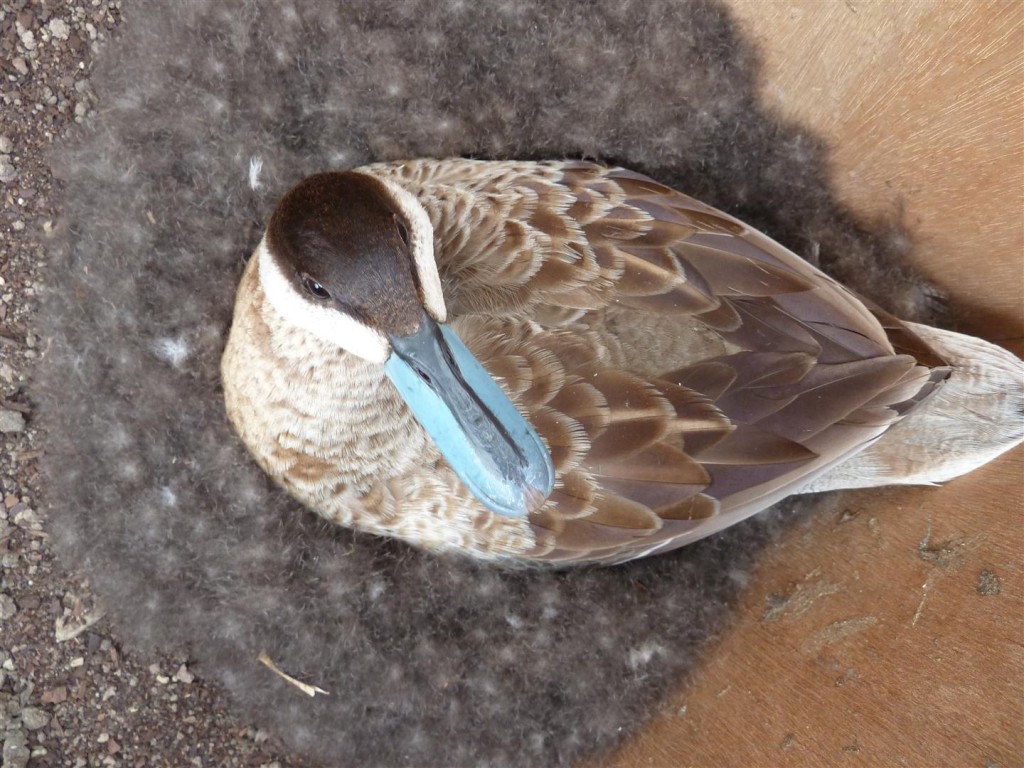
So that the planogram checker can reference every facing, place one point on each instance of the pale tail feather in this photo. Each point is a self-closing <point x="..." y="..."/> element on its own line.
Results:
<point x="975" y="416"/>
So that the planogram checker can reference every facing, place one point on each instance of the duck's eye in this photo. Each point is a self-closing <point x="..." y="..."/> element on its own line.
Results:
<point x="314" y="288"/>
<point x="403" y="232"/>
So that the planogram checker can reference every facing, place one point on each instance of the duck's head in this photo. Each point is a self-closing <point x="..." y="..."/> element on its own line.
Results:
<point x="349" y="258"/>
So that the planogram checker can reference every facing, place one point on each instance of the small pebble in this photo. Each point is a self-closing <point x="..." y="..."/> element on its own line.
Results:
<point x="27" y="517"/>
<point x="7" y="171"/>
<point x="11" y="421"/>
<point x="7" y="607"/>
<point x="55" y="695"/>
<point x="59" y="29"/>
<point x="183" y="675"/>
<point x="34" y="718"/>
<point x="15" y="754"/>
<point x="6" y="145"/>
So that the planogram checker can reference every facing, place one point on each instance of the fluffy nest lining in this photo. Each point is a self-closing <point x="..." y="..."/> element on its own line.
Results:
<point x="210" y="110"/>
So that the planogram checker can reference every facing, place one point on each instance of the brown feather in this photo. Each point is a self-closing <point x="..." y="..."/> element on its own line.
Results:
<point x="694" y="411"/>
<point x="565" y="438"/>
<point x="654" y="495"/>
<point x="749" y="445"/>
<point x="658" y="463"/>
<point x="625" y="437"/>
<point x="618" y="512"/>
<point x="648" y="271"/>
<point x="731" y="274"/>
<point x="585" y="537"/>
<point x="584" y="403"/>
<point x="699" y="507"/>
<point x="723" y="318"/>
<point x="711" y="377"/>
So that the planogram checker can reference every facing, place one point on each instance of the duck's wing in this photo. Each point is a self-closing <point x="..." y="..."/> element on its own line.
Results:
<point x="647" y="464"/>
<point x="566" y="276"/>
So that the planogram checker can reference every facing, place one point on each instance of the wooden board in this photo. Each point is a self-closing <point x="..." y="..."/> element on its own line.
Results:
<point x="890" y="631"/>
<point x="921" y="102"/>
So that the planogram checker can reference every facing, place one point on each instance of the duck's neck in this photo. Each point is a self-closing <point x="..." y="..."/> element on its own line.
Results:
<point x="319" y="420"/>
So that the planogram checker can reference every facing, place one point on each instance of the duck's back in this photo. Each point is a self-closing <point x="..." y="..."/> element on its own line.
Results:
<point x="685" y="370"/>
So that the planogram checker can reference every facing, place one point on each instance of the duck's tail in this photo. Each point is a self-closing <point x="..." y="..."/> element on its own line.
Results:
<point x="976" y="415"/>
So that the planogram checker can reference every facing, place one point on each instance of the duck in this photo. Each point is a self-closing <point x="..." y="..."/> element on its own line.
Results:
<point x="565" y="363"/>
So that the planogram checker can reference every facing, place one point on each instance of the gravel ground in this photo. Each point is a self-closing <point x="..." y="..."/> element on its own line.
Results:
<point x="69" y="696"/>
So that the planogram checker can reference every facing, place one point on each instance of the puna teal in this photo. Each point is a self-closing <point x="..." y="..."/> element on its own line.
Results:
<point x="566" y="363"/>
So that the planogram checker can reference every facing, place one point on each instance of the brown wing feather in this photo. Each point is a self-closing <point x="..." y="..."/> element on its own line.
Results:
<point x="803" y="372"/>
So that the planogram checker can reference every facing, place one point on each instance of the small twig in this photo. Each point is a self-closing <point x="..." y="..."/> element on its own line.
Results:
<point x="306" y="688"/>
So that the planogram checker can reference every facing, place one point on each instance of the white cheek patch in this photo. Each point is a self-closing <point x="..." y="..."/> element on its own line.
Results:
<point x="421" y="245"/>
<point x="320" y="319"/>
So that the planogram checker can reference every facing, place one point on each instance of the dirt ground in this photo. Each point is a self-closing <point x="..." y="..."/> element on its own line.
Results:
<point x="69" y="695"/>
